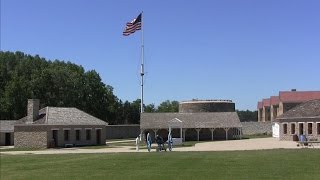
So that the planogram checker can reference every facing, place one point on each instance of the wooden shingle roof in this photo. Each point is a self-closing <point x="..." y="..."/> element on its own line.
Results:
<point x="7" y="125"/>
<point x="307" y="110"/>
<point x="190" y="120"/>
<point x="66" y="116"/>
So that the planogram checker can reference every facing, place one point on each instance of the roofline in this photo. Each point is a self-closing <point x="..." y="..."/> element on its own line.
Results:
<point x="207" y="127"/>
<point x="207" y="101"/>
<point x="311" y="117"/>
<point x="298" y="101"/>
<point x="187" y="112"/>
<point x="297" y="91"/>
<point x="6" y="131"/>
<point x="119" y="125"/>
<point x="60" y="124"/>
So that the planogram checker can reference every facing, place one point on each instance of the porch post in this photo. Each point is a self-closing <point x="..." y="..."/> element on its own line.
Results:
<point x="226" y="129"/>
<point x="155" y="132"/>
<point x="141" y="134"/>
<point x="198" y="130"/>
<point x="184" y="135"/>
<point x="211" y="129"/>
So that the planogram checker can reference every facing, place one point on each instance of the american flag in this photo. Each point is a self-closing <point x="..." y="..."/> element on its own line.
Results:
<point x="133" y="26"/>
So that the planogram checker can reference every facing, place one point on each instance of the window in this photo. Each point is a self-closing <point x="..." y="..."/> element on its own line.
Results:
<point x="285" y="128"/>
<point x="66" y="135"/>
<point x="77" y="135"/>
<point x="301" y="130"/>
<point x="309" y="128"/>
<point x="293" y="128"/>
<point x="318" y="128"/>
<point x="88" y="134"/>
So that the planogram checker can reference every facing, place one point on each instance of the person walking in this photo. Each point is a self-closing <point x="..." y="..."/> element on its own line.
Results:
<point x="137" y="143"/>
<point x="170" y="142"/>
<point x="149" y="141"/>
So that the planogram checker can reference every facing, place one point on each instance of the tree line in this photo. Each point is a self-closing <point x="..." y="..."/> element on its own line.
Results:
<point x="64" y="84"/>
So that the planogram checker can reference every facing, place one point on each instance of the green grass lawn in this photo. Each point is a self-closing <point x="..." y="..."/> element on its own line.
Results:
<point x="266" y="164"/>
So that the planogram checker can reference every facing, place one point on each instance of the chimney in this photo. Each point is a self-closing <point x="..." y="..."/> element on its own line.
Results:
<point x="33" y="110"/>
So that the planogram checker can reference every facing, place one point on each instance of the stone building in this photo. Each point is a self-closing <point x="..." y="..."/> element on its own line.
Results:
<point x="6" y="132"/>
<point x="196" y="120"/>
<point x="270" y="108"/>
<point x="302" y="119"/>
<point x="57" y="127"/>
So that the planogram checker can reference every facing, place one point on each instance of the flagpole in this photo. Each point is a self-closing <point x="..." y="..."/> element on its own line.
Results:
<point x="142" y="60"/>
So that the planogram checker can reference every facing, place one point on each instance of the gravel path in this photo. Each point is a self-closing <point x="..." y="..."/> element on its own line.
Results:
<point x="246" y="144"/>
<point x="231" y="145"/>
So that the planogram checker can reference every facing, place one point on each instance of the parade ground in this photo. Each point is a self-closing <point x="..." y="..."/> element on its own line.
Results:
<point x="261" y="158"/>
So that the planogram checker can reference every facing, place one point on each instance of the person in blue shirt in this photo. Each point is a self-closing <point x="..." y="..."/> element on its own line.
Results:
<point x="149" y="141"/>
<point x="170" y="142"/>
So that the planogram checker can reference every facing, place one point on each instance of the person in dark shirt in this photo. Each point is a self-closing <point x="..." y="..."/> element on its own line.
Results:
<point x="160" y="143"/>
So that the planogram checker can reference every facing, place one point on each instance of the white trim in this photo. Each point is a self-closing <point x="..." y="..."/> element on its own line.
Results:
<point x="313" y="117"/>
<point x="176" y="119"/>
<point x="56" y="129"/>
<point x="77" y="128"/>
<point x="66" y="129"/>
<point x="88" y="128"/>
<point x="275" y="130"/>
<point x="98" y="128"/>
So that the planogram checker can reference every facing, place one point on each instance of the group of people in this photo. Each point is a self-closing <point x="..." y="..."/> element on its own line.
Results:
<point x="159" y="140"/>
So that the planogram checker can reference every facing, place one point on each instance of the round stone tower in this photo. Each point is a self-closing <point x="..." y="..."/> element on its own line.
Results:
<point x="196" y="106"/>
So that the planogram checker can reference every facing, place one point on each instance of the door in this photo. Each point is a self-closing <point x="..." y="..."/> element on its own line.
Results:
<point x="275" y="130"/>
<point x="55" y="137"/>
<point x="8" y="139"/>
<point x="98" y="136"/>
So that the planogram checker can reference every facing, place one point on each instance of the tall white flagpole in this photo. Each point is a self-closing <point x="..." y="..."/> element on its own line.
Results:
<point x="142" y="60"/>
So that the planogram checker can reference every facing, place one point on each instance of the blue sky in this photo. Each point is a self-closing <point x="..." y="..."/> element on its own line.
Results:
<point x="208" y="49"/>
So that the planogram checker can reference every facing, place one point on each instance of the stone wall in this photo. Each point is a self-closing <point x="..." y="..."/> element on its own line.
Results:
<point x="292" y="134"/>
<point x="37" y="139"/>
<point x="194" y="107"/>
<point x="250" y="128"/>
<point x="41" y="136"/>
<point x="122" y="131"/>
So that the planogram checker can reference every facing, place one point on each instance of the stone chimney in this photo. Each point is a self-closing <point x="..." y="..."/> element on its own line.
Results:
<point x="33" y="110"/>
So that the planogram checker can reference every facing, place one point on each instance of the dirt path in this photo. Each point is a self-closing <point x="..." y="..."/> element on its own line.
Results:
<point x="246" y="144"/>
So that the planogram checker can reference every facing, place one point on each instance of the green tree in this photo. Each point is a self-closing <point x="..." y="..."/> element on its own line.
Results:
<point x="168" y="106"/>
<point x="150" y="108"/>
<point x="55" y="83"/>
<point x="248" y="115"/>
